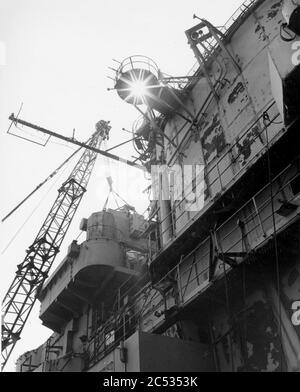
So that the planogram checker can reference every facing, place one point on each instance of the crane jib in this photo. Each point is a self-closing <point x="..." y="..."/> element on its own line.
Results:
<point x="34" y="270"/>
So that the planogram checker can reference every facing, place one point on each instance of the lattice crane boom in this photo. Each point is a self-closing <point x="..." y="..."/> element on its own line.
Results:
<point x="33" y="271"/>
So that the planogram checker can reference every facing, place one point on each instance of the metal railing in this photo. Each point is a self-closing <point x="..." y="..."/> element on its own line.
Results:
<point x="261" y="228"/>
<point x="148" y="305"/>
<point x="242" y="11"/>
<point x="137" y="62"/>
<point x="225" y="170"/>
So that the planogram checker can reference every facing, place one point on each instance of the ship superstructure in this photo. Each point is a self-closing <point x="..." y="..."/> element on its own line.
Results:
<point x="211" y="280"/>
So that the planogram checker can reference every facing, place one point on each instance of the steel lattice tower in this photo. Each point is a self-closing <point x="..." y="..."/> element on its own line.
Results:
<point x="33" y="271"/>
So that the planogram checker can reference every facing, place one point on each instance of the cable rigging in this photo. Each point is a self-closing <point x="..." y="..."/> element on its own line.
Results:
<point x="53" y="174"/>
<point x="34" y="270"/>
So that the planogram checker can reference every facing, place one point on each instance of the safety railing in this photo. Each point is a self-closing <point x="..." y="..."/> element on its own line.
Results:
<point x="190" y="276"/>
<point x="224" y="169"/>
<point x="27" y="365"/>
<point x="243" y="10"/>
<point x="257" y="217"/>
<point x="137" y="62"/>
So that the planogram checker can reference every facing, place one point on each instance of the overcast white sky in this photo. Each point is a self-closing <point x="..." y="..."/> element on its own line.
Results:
<point x="54" y="57"/>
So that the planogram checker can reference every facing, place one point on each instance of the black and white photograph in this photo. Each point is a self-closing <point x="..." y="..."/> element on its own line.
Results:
<point x="150" y="189"/>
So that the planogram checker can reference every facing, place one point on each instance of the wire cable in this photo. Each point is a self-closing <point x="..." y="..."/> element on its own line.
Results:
<point x="40" y="185"/>
<point x="32" y="213"/>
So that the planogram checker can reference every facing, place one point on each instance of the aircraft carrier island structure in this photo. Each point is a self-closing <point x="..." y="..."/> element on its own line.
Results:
<point x="210" y="281"/>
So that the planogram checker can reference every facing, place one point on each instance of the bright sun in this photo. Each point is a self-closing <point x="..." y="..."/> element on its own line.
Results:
<point x="138" y="88"/>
